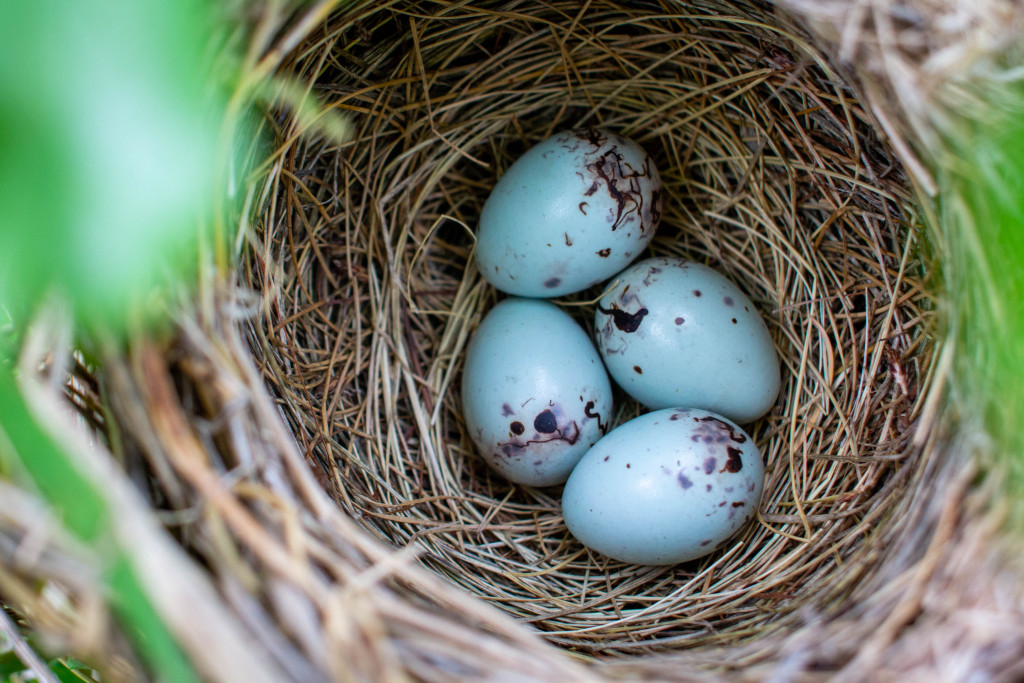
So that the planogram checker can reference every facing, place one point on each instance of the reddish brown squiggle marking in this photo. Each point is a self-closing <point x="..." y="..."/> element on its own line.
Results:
<point x="733" y="434"/>
<point x="608" y="168"/>
<point x="612" y="170"/>
<point x="512" y="448"/>
<point x="593" y="136"/>
<point x="589" y="411"/>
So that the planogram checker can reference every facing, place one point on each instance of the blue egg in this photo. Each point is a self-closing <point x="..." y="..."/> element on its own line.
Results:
<point x="535" y="395"/>
<point x="677" y="333"/>
<point x="665" y="487"/>
<point x="571" y="212"/>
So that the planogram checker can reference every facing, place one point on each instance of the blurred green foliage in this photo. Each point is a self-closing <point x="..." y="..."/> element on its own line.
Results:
<point x="65" y="670"/>
<point x="125" y="130"/>
<point x="111" y="112"/>
<point x="982" y="219"/>
<point x="108" y="127"/>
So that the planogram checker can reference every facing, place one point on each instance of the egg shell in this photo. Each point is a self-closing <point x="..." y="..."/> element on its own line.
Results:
<point x="569" y="213"/>
<point x="666" y="487"/>
<point x="535" y="395"/>
<point x="677" y="333"/>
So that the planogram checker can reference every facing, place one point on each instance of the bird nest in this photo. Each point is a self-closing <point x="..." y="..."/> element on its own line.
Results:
<point x="291" y="476"/>
<point x="773" y="174"/>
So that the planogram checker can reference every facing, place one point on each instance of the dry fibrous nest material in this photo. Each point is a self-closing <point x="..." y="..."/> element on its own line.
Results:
<point x="300" y="440"/>
<point x="773" y="175"/>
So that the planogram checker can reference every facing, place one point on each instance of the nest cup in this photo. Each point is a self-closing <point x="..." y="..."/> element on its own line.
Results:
<point x="773" y="175"/>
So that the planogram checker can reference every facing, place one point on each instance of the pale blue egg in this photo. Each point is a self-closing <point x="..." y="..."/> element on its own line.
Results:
<point x="663" y="488"/>
<point x="535" y="395"/>
<point x="572" y="211"/>
<point x="677" y="333"/>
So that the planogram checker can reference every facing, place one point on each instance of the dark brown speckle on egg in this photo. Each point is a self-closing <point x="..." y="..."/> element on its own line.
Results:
<point x="735" y="462"/>
<point x="545" y="422"/>
<point x="626" y="322"/>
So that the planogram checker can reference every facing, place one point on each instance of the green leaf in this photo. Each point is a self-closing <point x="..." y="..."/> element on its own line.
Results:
<point x="982" y="216"/>
<point x="67" y="674"/>
<point x="75" y="665"/>
<point x="10" y="664"/>
<point x="133" y="606"/>
<point x="310" y="115"/>
<point x="75" y="499"/>
<point x="28" y="448"/>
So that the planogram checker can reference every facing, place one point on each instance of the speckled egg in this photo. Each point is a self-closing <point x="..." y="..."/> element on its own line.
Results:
<point x="666" y="487"/>
<point x="535" y="395"/>
<point x="571" y="212"/>
<point x="676" y="333"/>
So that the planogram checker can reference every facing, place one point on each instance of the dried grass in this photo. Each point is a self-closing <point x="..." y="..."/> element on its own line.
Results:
<point x="774" y="175"/>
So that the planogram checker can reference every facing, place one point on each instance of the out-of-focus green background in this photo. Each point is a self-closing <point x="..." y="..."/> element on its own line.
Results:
<point x="109" y="117"/>
<point x="110" y="112"/>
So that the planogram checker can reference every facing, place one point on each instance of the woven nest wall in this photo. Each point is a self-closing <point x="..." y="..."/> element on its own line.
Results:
<point x="774" y="174"/>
